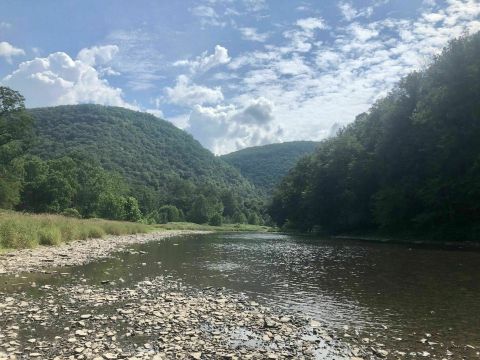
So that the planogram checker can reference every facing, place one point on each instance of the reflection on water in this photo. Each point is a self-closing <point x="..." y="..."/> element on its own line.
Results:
<point x="400" y="291"/>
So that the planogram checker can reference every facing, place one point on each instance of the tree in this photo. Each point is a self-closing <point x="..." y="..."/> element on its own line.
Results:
<point x="216" y="220"/>
<point x="132" y="211"/>
<point x="410" y="164"/>
<point x="15" y="135"/>
<point x="200" y="212"/>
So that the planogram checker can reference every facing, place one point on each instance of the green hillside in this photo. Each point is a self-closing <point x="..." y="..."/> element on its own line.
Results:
<point x="161" y="164"/>
<point x="266" y="165"/>
<point x="410" y="165"/>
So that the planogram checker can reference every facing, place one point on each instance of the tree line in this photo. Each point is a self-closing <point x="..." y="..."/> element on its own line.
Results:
<point x="410" y="165"/>
<point x="78" y="184"/>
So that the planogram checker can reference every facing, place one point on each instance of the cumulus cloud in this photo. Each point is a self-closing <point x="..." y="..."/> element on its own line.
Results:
<point x="252" y="34"/>
<point x="205" y="62"/>
<point x="97" y="55"/>
<point x="7" y="51"/>
<point x="226" y="128"/>
<point x="58" y="80"/>
<point x="187" y="94"/>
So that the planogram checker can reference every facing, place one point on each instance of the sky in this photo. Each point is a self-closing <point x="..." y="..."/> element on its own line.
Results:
<point x="233" y="73"/>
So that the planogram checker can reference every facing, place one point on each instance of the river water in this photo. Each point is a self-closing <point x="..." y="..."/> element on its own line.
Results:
<point x="410" y="298"/>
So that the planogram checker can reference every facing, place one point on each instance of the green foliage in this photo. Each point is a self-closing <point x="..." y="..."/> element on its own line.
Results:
<point x="266" y="165"/>
<point x="111" y="206"/>
<point x="72" y="212"/>
<point x="216" y="220"/>
<point x="200" y="212"/>
<point x="21" y="230"/>
<point x="15" y="136"/>
<point x="132" y="211"/>
<point x="152" y="160"/>
<point x="168" y="213"/>
<point x="239" y="218"/>
<point x="411" y="164"/>
<point x="16" y="234"/>
<point x="50" y="236"/>
<point x="204" y="227"/>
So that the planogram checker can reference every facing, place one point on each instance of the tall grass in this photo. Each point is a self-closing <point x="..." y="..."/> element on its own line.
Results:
<point x="18" y="230"/>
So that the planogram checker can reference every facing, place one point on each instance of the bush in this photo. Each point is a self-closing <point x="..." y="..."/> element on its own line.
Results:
<point x="72" y="212"/>
<point x="216" y="220"/>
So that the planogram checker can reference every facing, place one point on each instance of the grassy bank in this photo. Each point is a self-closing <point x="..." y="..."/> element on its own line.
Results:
<point x="224" y="227"/>
<point x="19" y="230"/>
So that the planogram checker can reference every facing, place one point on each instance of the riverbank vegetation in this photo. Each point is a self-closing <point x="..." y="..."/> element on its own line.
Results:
<point x="410" y="164"/>
<point x="221" y="228"/>
<point x="91" y="161"/>
<point x="171" y="176"/>
<point x="18" y="230"/>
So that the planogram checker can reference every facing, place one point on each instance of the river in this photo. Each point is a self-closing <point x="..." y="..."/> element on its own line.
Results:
<point x="421" y="299"/>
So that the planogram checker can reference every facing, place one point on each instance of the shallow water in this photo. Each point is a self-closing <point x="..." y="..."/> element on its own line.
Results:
<point x="402" y="295"/>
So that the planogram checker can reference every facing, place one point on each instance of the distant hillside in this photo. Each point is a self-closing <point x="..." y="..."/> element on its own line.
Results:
<point x="161" y="163"/>
<point x="266" y="165"/>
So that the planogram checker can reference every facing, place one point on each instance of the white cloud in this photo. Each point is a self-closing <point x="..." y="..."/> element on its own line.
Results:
<point x="157" y="112"/>
<point x="293" y="66"/>
<point x="5" y="25"/>
<point x="187" y="94"/>
<point x="207" y="16"/>
<point x="58" y="80"/>
<point x="332" y="81"/>
<point x="7" y="51"/>
<point x="350" y="13"/>
<point x="301" y="38"/>
<point x="224" y="129"/>
<point x="252" y="34"/>
<point x="206" y="62"/>
<point x="97" y="55"/>
<point x="311" y="23"/>
<point x="137" y="60"/>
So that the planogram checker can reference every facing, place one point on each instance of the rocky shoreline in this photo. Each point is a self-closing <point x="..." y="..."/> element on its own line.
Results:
<point x="156" y="318"/>
<point x="77" y="252"/>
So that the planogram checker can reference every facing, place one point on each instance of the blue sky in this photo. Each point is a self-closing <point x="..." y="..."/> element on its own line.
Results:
<point x="233" y="73"/>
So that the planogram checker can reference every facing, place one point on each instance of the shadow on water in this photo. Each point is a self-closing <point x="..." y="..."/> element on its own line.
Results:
<point x="398" y="291"/>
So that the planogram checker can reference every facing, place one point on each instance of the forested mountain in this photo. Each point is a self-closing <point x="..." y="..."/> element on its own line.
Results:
<point x="411" y="164"/>
<point x="266" y="165"/>
<point x="98" y="161"/>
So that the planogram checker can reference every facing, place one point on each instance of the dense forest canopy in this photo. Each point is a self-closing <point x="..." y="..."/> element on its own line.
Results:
<point x="266" y="165"/>
<point x="411" y="164"/>
<point x="97" y="161"/>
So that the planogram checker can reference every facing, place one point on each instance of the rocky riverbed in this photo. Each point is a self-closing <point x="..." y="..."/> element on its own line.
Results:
<point x="158" y="319"/>
<point x="77" y="252"/>
<point x="155" y="318"/>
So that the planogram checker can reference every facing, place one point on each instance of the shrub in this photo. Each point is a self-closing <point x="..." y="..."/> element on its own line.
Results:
<point x="216" y="220"/>
<point x="72" y="212"/>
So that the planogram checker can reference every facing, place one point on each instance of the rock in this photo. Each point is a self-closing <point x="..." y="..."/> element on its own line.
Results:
<point x="110" y="356"/>
<point x="81" y="333"/>
<point x="196" y="355"/>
